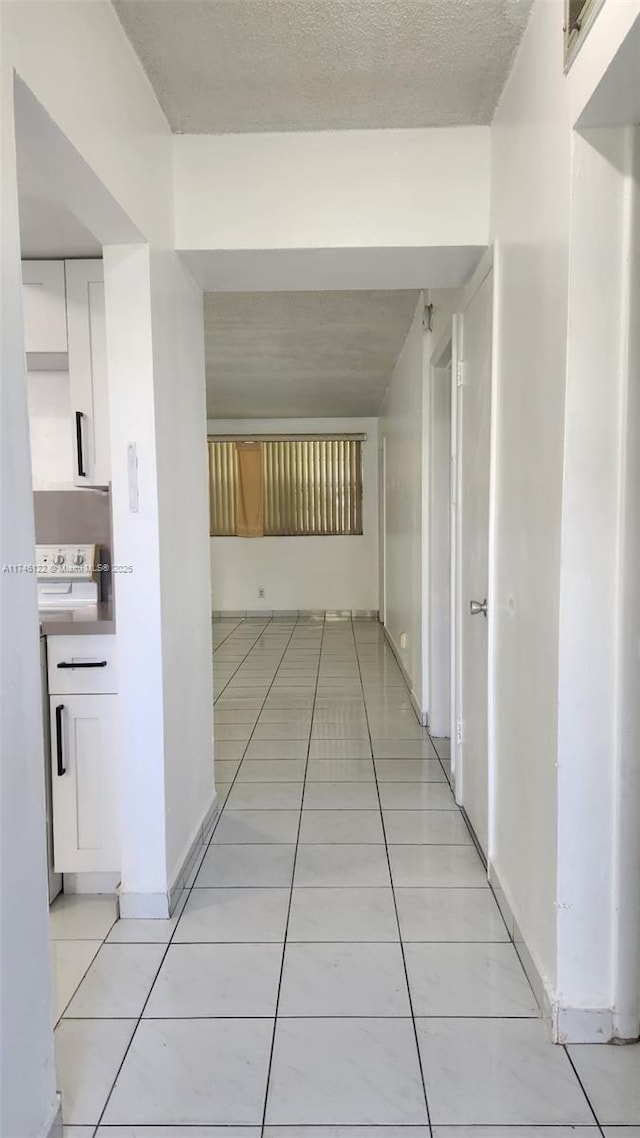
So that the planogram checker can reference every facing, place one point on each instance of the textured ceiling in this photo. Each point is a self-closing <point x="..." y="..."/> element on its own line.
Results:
<point x="290" y="354"/>
<point x="283" y="65"/>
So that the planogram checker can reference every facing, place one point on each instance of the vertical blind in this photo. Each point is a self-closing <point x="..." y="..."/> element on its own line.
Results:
<point x="310" y="487"/>
<point x="223" y="483"/>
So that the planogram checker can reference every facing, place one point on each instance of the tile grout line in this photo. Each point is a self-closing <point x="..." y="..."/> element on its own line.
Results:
<point x="293" y="874"/>
<point x="81" y="940"/>
<point x="243" y="660"/>
<point x="474" y="841"/>
<point x="300" y="1016"/>
<point x="583" y="1088"/>
<point x="169" y="943"/>
<point x="393" y="892"/>
<point x="94" y="1128"/>
<point x="262" y="706"/>
<point x="230" y="786"/>
<point x="462" y="814"/>
<point x="215" y="647"/>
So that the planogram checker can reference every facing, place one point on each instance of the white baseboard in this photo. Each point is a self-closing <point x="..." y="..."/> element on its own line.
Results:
<point x="144" y="906"/>
<point x="91" y="882"/>
<point x="565" y="1024"/>
<point x="279" y="614"/>
<point x="53" y="1126"/>
<point x="531" y="970"/>
<point x="200" y="838"/>
<point x="422" y="716"/>
<point x="160" y="906"/>
<point x="581" y="1025"/>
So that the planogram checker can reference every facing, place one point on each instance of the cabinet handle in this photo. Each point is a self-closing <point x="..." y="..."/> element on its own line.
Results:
<point x="83" y="664"/>
<point x="81" y="470"/>
<point x="61" y="767"/>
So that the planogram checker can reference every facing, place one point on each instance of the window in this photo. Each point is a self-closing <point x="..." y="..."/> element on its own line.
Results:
<point x="279" y="487"/>
<point x="579" y="16"/>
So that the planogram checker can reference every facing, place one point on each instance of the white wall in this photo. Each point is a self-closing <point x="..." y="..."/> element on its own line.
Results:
<point x="590" y="773"/>
<point x="558" y="214"/>
<point x="626" y="941"/>
<point x="402" y="425"/>
<point x="135" y="543"/>
<point x="301" y="572"/>
<point x="332" y="189"/>
<point x="50" y="430"/>
<point x="156" y="361"/>
<point x="103" y="103"/>
<point x="77" y="61"/>
<point x="28" y="1101"/>
<point x="601" y="85"/>
<point x="530" y="219"/>
<point x="183" y="497"/>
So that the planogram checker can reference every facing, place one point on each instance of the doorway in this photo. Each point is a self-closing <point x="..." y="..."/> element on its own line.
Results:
<point x="473" y="368"/>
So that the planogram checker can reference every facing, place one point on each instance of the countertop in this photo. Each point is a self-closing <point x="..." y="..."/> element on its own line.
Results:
<point x="93" y="620"/>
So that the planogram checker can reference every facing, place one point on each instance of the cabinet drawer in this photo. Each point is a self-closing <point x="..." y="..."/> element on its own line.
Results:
<point x="82" y="665"/>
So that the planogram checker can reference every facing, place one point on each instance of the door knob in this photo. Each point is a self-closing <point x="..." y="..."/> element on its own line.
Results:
<point x="478" y="607"/>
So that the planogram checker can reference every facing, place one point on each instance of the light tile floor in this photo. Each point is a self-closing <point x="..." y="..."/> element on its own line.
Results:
<point x="338" y="967"/>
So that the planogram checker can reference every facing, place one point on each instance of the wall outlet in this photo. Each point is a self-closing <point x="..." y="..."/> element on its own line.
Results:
<point x="261" y="593"/>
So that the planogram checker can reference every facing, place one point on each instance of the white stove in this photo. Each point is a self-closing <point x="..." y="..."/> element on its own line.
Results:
<point x="67" y="576"/>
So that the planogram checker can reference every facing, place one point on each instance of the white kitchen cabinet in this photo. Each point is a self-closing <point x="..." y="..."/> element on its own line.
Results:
<point x="85" y="783"/>
<point x="45" y="315"/>
<point x="82" y="665"/>
<point x="88" y="376"/>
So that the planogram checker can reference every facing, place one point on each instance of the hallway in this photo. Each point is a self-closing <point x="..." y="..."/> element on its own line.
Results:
<point x="400" y="1000"/>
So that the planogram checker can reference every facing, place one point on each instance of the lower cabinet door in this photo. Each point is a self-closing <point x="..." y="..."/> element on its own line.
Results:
<point x="85" y="783"/>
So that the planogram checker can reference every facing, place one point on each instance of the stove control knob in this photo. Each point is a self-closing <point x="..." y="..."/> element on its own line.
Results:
<point x="58" y="559"/>
<point x="78" y="559"/>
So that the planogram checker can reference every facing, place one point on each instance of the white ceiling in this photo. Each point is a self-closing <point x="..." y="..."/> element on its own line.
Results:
<point x="292" y="270"/>
<point x="284" y="65"/>
<point x="290" y="354"/>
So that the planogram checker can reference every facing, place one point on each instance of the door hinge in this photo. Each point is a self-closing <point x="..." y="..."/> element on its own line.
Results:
<point x="459" y="374"/>
<point x="459" y="737"/>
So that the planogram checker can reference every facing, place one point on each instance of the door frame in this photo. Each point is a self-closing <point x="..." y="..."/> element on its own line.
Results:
<point x="441" y="362"/>
<point x="489" y="262"/>
<point x="382" y="531"/>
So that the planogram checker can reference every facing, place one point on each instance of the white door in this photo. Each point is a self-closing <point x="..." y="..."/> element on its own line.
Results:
<point x="382" y="533"/>
<point x="88" y="377"/>
<point x="474" y="445"/>
<point x="84" y="778"/>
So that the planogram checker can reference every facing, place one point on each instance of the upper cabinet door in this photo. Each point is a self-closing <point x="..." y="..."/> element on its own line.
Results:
<point x="43" y="299"/>
<point x="88" y="375"/>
